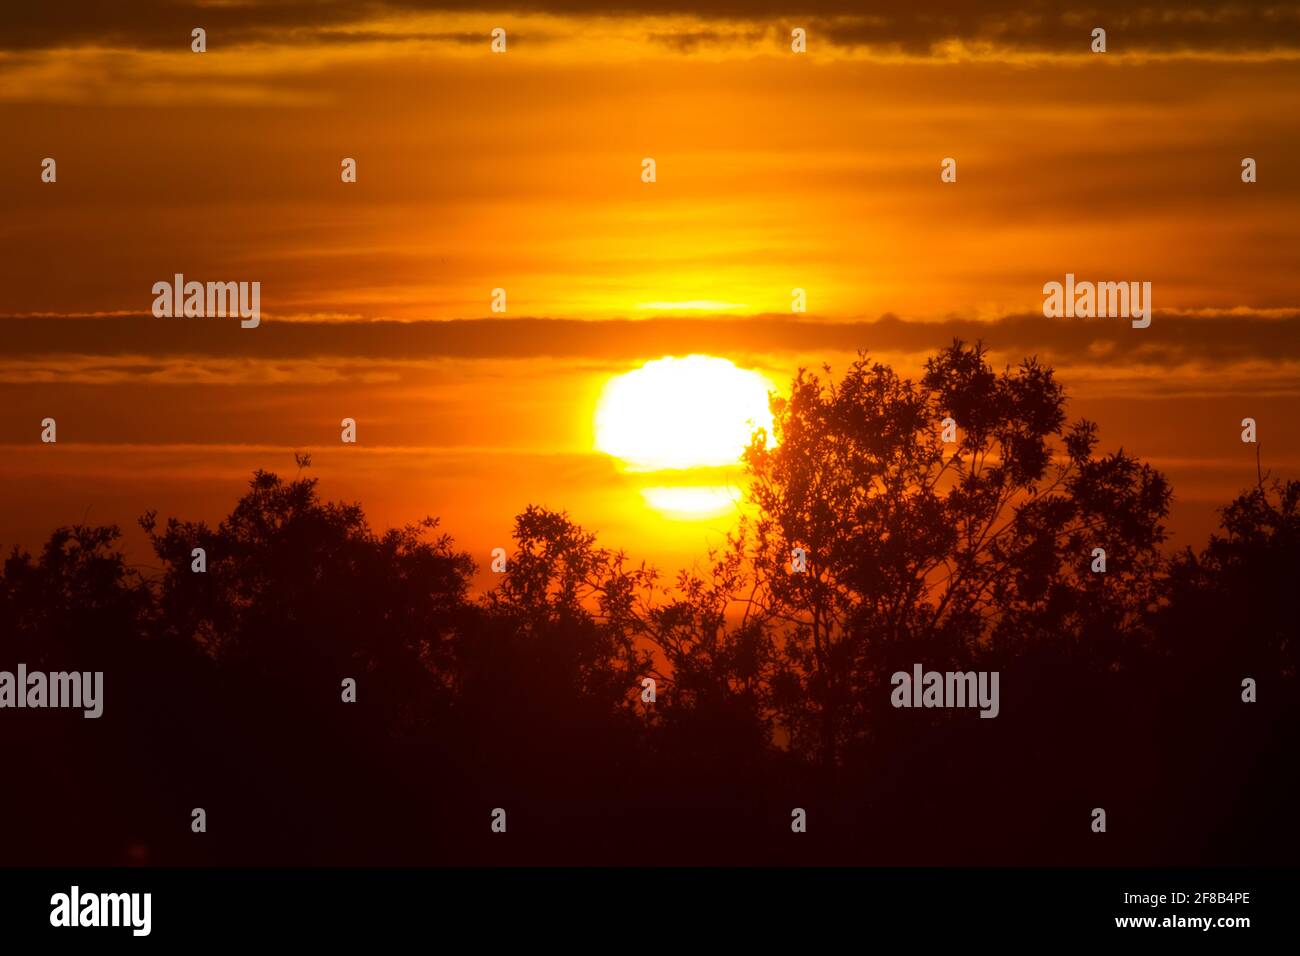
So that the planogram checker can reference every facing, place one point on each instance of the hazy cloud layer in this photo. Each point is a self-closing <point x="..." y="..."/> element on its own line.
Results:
<point x="1220" y="26"/>
<point x="1170" y="340"/>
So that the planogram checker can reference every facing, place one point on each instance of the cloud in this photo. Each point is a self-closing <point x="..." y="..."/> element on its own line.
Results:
<point x="690" y="41"/>
<point x="1215" y="26"/>
<point x="1172" y="339"/>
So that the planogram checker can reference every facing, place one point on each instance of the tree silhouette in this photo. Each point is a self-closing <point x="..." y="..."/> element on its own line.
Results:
<point x="920" y="552"/>
<point x="299" y="586"/>
<point x="1232" y="605"/>
<point x="77" y="604"/>
<point x="554" y="662"/>
<point x="223" y="686"/>
<point x="718" y="653"/>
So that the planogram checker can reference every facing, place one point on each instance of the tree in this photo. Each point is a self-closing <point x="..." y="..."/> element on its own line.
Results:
<point x="548" y="682"/>
<point x="921" y="552"/>
<point x="569" y="608"/>
<point x="717" y="649"/>
<point x="297" y="586"/>
<point x="1233" y="604"/>
<point x="77" y="605"/>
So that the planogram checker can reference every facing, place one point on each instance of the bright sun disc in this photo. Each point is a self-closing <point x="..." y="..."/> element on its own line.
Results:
<point x="693" y="412"/>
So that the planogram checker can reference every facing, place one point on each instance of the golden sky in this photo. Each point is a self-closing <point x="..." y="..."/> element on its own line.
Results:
<point x="522" y="171"/>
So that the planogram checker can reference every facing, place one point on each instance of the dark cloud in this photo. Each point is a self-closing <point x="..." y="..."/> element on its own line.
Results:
<point x="1215" y="25"/>
<point x="1170" y="340"/>
<point x="1222" y="27"/>
<point x="690" y="41"/>
<point x="343" y="37"/>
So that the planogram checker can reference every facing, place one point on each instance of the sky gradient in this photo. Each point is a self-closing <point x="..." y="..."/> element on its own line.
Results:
<point x="522" y="171"/>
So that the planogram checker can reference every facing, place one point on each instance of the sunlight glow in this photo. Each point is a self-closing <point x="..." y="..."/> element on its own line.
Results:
<point x="693" y="501"/>
<point x="702" y="305"/>
<point x="673" y="413"/>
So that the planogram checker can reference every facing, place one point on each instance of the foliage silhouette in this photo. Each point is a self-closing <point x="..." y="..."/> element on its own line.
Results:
<point x="1122" y="689"/>
<point x="919" y="552"/>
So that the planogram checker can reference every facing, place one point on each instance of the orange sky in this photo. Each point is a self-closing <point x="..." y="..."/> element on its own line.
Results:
<point x="522" y="171"/>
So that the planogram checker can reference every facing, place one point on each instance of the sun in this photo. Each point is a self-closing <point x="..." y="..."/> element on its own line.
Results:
<point x="681" y="425"/>
<point x="676" y="413"/>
